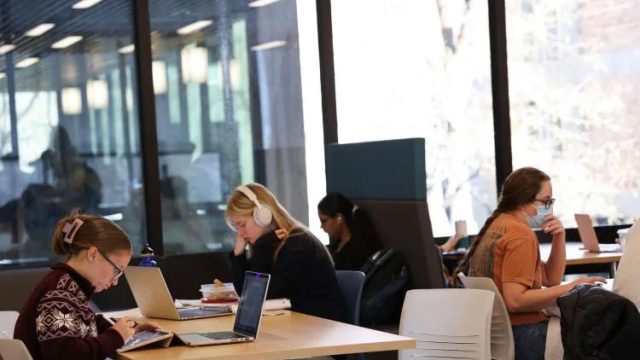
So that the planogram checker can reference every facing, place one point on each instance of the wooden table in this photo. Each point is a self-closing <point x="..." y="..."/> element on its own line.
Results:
<point x="578" y="256"/>
<point x="286" y="336"/>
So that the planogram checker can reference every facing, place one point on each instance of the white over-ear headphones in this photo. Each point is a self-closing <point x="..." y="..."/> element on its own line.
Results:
<point x="261" y="214"/>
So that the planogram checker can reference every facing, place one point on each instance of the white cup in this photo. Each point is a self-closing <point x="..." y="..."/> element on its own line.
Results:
<point x="461" y="228"/>
<point x="622" y="237"/>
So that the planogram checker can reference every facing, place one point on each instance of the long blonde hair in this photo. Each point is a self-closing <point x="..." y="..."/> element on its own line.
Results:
<point x="239" y="204"/>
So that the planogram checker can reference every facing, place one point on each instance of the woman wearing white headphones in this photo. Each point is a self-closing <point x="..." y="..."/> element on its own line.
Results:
<point x="300" y="266"/>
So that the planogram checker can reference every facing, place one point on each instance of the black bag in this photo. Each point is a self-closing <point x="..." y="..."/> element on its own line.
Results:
<point x="387" y="280"/>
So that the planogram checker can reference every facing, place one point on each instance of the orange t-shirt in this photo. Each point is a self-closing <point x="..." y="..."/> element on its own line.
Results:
<point x="509" y="252"/>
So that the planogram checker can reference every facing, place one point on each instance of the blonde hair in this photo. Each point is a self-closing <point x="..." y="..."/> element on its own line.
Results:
<point x="239" y="204"/>
<point x="94" y="231"/>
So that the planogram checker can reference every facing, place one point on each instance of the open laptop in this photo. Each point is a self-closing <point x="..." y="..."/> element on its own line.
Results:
<point x="248" y="317"/>
<point x="154" y="299"/>
<point x="589" y="238"/>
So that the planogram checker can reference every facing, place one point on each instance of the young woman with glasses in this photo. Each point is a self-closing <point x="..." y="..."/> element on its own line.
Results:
<point x="506" y="250"/>
<point x="57" y="322"/>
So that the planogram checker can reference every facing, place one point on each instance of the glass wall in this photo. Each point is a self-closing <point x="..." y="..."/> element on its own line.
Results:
<point x="573" y="85"/>
<point x="68" y="121"/>
<point x="422" y="69"/>
<point x="228" y="94"/>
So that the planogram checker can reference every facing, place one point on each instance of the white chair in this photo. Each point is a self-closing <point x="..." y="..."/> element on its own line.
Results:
<point x="502" y="346"/>
<point x="7" y="323"/>
<point x="447" y="323"/>
<point x="14" y="350"/>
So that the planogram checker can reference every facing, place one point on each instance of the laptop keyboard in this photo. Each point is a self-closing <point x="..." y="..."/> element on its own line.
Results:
<point x="194" y="313"/>
<point x="223" y="335"/>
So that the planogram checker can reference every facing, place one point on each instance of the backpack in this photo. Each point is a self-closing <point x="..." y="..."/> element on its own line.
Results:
<point x="387" y="280"/>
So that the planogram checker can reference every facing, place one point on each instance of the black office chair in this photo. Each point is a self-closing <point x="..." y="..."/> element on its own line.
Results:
<point x="351" y="284"/>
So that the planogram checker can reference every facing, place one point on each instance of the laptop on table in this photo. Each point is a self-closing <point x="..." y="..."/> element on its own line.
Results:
<point x="589" y="238"/>
<point x="154" y="299"/>
<point x="248" y="316"/>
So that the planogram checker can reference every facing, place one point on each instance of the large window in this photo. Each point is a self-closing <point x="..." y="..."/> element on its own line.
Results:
<point x="228" y="94"/>
<point x="237" y="99"/>
<point x="573" y="85"/>
<point x="422" y="69"/>
<point x="68" y="121"/>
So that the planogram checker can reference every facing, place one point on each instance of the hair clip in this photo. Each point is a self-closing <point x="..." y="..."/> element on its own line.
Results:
<point x="70" y="229"/>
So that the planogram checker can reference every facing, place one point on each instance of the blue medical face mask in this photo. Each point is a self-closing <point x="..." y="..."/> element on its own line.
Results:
<point x="536" y="221"/>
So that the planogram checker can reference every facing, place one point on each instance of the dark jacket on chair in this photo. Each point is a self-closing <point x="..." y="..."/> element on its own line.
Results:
<point x="598" y="324"/>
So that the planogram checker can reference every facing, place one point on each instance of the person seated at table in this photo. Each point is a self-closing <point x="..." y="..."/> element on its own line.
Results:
<point x="300" y="266"/>
<point x="56" y="321"/>
<point x="352" y="236"/>
<point x="506" y="249"/>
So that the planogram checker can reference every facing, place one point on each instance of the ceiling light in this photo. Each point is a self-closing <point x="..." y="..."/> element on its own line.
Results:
<point x="97" y="94"/>
<point x="27" y="62"/>
<point x="191" y="28"/>
<point x="71" y="101"/>
<point x="66" y="42"/>
<point x="40" y="29"/>
<point x="6" y="48"/>
<point x="84" y="4"/>
<point x="159" y="74"/>
<point x="269" y="45"/>
<point x="2" y="75"/>
<point x="127" y="49"/>
<point x="259" y="3"/>
<point x="195" y="62"/>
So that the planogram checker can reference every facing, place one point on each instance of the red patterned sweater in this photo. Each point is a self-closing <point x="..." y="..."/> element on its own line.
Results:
<point x="57" y="323"/>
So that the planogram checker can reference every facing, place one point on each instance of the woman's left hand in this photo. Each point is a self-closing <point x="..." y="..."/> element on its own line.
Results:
<point x="147" y="326"/>
<point x="552" y="225"/>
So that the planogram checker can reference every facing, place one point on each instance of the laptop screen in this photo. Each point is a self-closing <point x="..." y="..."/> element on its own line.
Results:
<point x="254" y="293"/>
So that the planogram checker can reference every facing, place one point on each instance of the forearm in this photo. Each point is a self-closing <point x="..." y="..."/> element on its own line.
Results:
<point x="535" y="299"/>
<point x="556" y="264"/>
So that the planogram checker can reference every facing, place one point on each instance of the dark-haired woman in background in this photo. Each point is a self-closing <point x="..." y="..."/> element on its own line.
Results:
<point x="506" y="250"/>
<point x="352" y="236"/>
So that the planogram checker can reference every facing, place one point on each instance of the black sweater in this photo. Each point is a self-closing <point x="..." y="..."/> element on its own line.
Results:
<point x="352" y="255"/>
<point x="303" y="272"/>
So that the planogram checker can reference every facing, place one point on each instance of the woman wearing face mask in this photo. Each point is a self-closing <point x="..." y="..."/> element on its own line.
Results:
<point x="300" y="266"/>
<point x="506" y="249"/>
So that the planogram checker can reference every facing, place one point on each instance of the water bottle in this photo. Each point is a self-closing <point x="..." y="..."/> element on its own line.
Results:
<point x="148" y="257"/>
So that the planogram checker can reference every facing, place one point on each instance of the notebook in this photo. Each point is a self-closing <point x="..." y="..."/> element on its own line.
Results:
<point x="154" y="300"/>
<point x="248" y="317"/>
<point x="589" y="238"/>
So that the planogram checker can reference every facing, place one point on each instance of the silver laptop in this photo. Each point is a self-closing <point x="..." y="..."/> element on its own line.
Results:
<point x="154" y="299"/>
<point x="589" y="238"/>
<point x="248" y="317"/>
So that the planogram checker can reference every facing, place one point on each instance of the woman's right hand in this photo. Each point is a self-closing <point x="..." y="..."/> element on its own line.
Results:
<point x="239" y="247"/>
<point x="125" y="327"/>
<point x="588" y="280"/>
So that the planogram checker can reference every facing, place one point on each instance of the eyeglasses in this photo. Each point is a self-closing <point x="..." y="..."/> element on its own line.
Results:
<point x="547" y="202"/>
<point x="117" y="271"/>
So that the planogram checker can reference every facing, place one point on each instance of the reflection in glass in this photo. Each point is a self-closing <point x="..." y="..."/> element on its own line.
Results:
<point x="422" y="69"/>
<point x="229" y="115"/>
<point x="66" y="130"/>
<point x="573" y="85"/>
